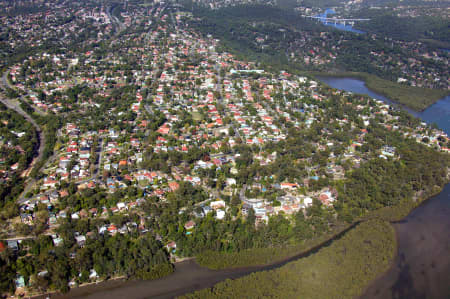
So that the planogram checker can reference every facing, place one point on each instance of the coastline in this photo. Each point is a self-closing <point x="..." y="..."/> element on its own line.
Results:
<point x="235" y="272"/>
<point x="113" y="280"/>
<point x="87" y="284"/>
<point x="403" y="208"/>
<point x="393" y="222"/>
<point x="339" y="270"/>
<point x="407" y="211"/>
<point x="391" y="264"/>
<point x="402" y="95"/>
<point x="420" y="254"/>
<point x="173" y="129"/>
<point x="418" y="204"/>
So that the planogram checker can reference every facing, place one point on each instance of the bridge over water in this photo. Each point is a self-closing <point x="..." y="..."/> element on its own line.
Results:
<point x="335" y="21"/>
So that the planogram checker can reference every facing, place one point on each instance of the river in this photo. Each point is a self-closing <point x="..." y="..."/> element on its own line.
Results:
<point x="346" y="27"/>
<point x="421" y="269"/>
<point x="187" y="277"/>
<point x="422" y="266"/>
<point x="438" y="113"/>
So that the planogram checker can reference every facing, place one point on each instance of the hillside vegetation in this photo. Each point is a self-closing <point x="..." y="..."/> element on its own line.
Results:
<point x="281" y="40"/>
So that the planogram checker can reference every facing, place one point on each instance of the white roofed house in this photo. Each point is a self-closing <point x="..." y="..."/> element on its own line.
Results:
<point x="93" y="274"/>
<point x="121" y="206"/>
<point x="207" y="210"/>
<point x="220" y="214"/>
<point x="307" y="201"/>
<point x="81" y="240"/>
<point x="64" y="162"/>
<point x="230" y="181"/>
<point x="84" y="154"/>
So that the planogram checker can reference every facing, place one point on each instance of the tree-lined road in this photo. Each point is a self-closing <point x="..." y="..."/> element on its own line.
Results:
<point x="15" y="105"/>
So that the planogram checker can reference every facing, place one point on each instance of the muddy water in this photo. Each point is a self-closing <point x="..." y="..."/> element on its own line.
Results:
<point x="187" y="277"/>
<point x="420" y="270"/>
<point x="422" y="266"/>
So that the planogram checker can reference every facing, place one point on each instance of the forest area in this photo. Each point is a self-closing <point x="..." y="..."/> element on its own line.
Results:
<point x="128" y="215"/>
<point x="292" y="42"/>
<point x="18" y="145"/>
<point x="106" y="256"/>
<point x="433" y="30"/>
<point x="341" y="270"/>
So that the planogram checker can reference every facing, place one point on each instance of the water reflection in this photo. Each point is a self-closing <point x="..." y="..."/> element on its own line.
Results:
<point x="422" y="266"/>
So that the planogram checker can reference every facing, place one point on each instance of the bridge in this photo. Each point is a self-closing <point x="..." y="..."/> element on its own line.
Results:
<point x="337" y="20"/>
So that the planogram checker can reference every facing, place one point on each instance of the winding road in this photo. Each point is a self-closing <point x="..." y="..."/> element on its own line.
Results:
<point x="115" y="20"/>
<point x="15" y="105"/>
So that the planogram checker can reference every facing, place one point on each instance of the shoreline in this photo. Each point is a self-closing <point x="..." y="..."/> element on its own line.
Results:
<point x="121" y="279"/>
<point x="237" y="270"/>
<point x="409" y="276"/>
<point x="86" y="284"/>
<point x="410" y="91"/>
<point x="376" y="214"/>
<point x="392" y="264"/>
<point x="234" y="272"/>
<point x="300" y="254"/>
